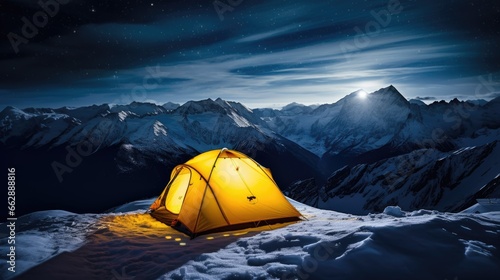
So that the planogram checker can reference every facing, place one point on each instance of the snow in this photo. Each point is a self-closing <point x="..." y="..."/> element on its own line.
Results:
<point x="481" y="137"/>
<point x="476" y="179"/>
<point x="394" y="211"/>
<point x="332" y="245"/>
<point x="159" y="129"/>
<point x="352" y="124"/>
<point x="43" y="235"/>
<point x="122" y="115"/>
<point x="424" y="178"/>
<point x="18" y="113"/>
<point x="130" y="244"/>
<point x="484" y="207"/>
<point x="239" y="120"/>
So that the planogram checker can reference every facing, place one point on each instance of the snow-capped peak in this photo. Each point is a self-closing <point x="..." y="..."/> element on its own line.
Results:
<point x="199" y="107"/>
<point x="292" y="105"/>
<point x="390" y="95"/>
<point x="14" y="113"/>
<point x="170" y="106"/>
<point x="417" y="102"/>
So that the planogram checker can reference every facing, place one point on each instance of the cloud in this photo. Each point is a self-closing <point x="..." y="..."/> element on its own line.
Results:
<point x="313" y="66"/>
<point x="264" y="52"/>
<point x="314" y="73"/>
<point x="268" y="34"/>
<point x="425" y="98"/>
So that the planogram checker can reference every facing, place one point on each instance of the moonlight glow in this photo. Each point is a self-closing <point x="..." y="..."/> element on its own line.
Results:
<point x="362" y="94"/>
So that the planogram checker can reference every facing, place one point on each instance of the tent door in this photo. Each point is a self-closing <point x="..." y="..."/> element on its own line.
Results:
<point x="177" y="191"/>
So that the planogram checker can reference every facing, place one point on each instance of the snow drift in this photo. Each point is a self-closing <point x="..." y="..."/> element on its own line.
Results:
<point x="392" y="245"/>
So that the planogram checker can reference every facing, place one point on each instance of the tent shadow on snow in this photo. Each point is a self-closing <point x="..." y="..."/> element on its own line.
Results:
<point x="134" y="246"/>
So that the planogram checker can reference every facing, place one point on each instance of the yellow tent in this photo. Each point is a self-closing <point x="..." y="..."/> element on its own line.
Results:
<point x="220" y="189"/>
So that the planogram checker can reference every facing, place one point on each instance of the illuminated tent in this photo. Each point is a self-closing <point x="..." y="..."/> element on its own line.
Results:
<point x="221" y="189"/>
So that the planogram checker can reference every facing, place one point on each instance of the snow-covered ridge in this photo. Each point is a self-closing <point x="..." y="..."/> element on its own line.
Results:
<point x="353" y="125"/>
<point x="55" y="127"/>
<point x="296" y="142"/>
<point x="129" y="243"/>
<point x="135" y="144"/>
<point x="424" y="178"/>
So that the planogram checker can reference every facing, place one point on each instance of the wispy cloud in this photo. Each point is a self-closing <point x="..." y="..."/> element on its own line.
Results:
<point x="425" y="98"/>
<point x="265" y="35"/>
<point x="264" y="52"/>
<point x="314" y="73"/>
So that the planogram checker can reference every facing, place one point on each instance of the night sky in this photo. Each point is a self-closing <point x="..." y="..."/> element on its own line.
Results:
<point x="261" y="53"/>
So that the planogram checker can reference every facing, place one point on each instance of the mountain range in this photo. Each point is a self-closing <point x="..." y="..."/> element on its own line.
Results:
<point x="359" y="154"/>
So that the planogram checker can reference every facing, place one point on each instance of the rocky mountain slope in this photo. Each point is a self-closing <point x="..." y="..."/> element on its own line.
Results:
<point x="128" y="151"/>
<point x="422" y="179"/>
<point x="106" y="150"/>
